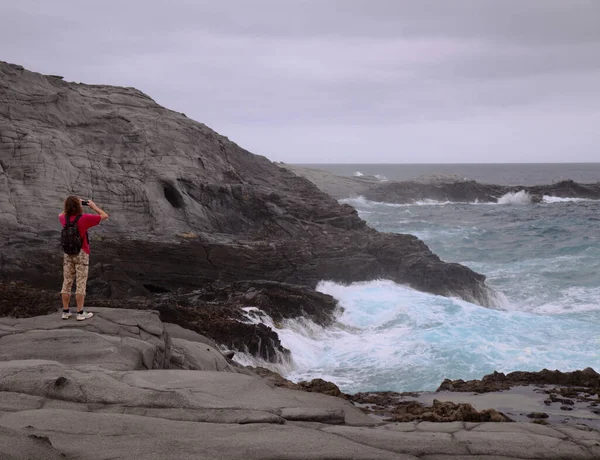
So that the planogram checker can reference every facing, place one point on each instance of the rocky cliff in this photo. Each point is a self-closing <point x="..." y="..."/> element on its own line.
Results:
<point x="188" y="207"/>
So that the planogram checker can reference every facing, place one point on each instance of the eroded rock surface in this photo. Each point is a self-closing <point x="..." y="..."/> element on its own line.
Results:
<point x="187" y="205"/>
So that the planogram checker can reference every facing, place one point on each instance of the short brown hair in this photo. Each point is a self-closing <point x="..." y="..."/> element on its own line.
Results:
<point x="73" y="206"/>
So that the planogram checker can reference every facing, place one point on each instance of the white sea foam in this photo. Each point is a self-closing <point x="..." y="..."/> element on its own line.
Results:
<point x="358" y="174"/>
<point x="391" y="337"/>
<point x="362" y="202"/>
<point x="281" y="364"/>
<point x="521" y="197"/>
<point x="574" y="299"/>
<point x="381" y="177"/>
<point x="556" y="199"/>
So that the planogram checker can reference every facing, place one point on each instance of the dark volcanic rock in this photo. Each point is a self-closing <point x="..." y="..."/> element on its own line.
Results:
<point x="537" y="415"/>
<point x="412" y="191"/>
<point x="22" y="301"/>
<point x="321" y="386"/>
<point x="470" y="191"/>
<point x="498" y="381"/>
<point x="215" y="310"/>
<point x="395" y="409"/>
<point x="314" y="386"/>
<point x="187" y="205"/>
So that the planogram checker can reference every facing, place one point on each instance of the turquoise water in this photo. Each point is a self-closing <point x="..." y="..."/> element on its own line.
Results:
<point x="543" y="259"/>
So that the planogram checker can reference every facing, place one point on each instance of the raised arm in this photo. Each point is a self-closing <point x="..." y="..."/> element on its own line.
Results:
<point x="103" y="215"/>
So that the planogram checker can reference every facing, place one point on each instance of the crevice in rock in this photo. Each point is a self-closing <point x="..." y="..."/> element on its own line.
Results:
<point x="156" y="289"/>
<point x="207" y="252"/>
<point x="172" y="195"/>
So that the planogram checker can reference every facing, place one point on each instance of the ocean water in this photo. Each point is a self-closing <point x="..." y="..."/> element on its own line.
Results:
<point x="542" y="259"/>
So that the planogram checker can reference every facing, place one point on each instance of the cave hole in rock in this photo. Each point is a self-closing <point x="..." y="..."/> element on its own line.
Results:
<point x="172" y="195"/>
<point x="156" y="289"/>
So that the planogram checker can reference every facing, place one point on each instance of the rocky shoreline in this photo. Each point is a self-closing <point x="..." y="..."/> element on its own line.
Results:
<point x="125" y="385"/>
<point x="200" y="230"/>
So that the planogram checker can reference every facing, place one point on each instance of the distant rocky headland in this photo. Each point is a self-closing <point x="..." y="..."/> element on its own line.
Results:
<point x="440" y="188"/>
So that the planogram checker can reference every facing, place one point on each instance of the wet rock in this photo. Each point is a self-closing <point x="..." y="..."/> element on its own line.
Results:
<point x="392" y="406"/>
<point x="537" y="415"/>
<point x="536" y="198"/>
<point x="449" y="412"/>
<point x="321" y="386"/>
<point x="498" y="381"/>
<point x="540" y="421"/>
<point x="314" y="386"/>
<point x="215" y="311"/>
<point x="273" y="378"/>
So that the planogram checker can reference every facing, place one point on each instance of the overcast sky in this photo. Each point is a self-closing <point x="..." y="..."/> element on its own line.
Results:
<point x="341" y="81"/>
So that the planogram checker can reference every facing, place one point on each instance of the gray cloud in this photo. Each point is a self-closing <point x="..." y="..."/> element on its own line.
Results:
<point x="342" y="81"/>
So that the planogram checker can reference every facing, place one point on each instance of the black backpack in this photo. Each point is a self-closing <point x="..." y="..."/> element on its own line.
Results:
<point x="70" y="238"/>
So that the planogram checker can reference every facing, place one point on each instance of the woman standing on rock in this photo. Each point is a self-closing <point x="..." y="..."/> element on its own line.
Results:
<point x="76" y="246"/>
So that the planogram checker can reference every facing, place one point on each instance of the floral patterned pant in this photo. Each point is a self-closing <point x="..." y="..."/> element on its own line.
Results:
<point x="75" y="266"/>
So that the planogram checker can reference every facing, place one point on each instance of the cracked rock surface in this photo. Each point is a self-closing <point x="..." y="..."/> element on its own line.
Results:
<point x="76" y="399"/>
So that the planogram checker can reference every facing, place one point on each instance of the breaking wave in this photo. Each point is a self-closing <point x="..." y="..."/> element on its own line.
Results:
<point x="521" y="197"/>
<point x="543" y="260"/>
<point x="556" y="199"/>
<point x="391" y="337"/>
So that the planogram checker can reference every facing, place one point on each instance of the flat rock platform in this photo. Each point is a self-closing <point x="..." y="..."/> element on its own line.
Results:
<point x="123" y="385"/>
